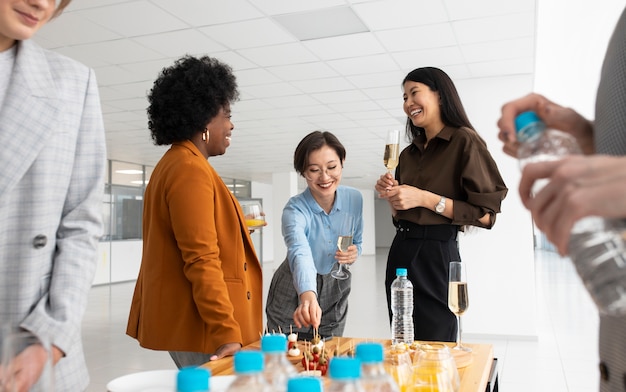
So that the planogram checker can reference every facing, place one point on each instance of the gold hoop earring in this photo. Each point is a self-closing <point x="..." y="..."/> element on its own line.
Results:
<point x="205" y="135"/>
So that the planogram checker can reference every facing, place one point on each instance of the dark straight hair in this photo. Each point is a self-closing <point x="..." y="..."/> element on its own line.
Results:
<point x="452" y="111"/>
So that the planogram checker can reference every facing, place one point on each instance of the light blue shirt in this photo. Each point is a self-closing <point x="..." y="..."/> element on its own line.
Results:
<point x="311" y="234"/>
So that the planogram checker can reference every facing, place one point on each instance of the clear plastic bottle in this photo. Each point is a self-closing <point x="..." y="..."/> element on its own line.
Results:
<point x="249" y="372"/>
<point x="374" y="378"/>
<point x="193" y="379"/>
<point x="402" y="308"/>
<point x="345" y="373"/>
<point x="277" y="367"/>
<point x="596" y="245"/>
<point x="304" y="384"/>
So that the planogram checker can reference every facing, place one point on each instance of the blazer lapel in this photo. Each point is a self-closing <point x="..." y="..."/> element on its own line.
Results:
<point x="29" y="114"/>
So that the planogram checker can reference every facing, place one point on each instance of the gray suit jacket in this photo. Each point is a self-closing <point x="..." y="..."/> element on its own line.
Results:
<point x="52" y="161"/>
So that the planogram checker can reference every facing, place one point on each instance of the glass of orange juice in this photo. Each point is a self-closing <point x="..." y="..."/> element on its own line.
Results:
<point x="399" y="365"/>
<point x="253" y="215"/>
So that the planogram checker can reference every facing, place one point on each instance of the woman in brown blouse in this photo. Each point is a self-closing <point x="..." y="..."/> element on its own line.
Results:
<point x="446" y="180"/>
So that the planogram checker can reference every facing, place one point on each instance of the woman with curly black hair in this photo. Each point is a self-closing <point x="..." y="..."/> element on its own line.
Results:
<point x="199" y="290"/>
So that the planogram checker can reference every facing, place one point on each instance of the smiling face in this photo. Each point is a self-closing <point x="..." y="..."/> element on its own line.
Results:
<point x="220" y="130"/>
<point x="20" y="19"/>
<point x="421" y="105"/>
<point x="323" y="174"/>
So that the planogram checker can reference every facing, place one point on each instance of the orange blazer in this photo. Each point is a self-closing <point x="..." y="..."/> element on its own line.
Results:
<point x="200" y="282"/>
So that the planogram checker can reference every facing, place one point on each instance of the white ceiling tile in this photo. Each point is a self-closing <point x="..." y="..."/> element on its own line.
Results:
<point x="236" y="35"/>
<point x="515" y="66"/>
<point x="120" y="51"/>
<point x="271" y="90"/>
<point x="73" y="30"/>
<point x="113" y="74"/>
<point x="497" y="50"/>
<point x="321" y="85"/>
<point x="315" y="70"/>
<point x="340" y="96"/>
<point x="353" y="45"/>
<point x="377" y="79"/>
<point x="134" y="90"/>
<point x="382" y="15"/>
<point x="291" y="101"/>
<point x="356" y="106"/>
<point x="463" y="9"/>
<point x="130" y="104"/>
<point x="434" y="57"/>
<point x="123" y="18"/>
<point x="364" y="65"/>
<point x="204" y="13"/>
<point x="148" y="70"/>
<point x="419" y="37"/>
<point x="500" y="27"/>
<point x="235" y="60"/>
<point x="276" y="55"/>
<point x="384" y="92"/>
<point x="242" y="106"/>
<point x="179" y="43"/>
<point x="276" y="7"/>
<point x="255" y="76"/>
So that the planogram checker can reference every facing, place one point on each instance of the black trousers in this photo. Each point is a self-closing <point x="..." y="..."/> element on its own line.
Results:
<point x="426" y="253"/>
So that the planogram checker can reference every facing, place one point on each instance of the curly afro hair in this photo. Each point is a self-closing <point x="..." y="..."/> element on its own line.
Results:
<point x="187" y="95"/>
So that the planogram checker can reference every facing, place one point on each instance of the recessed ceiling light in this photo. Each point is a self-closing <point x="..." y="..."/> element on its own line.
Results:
<point x="323" y="23"/>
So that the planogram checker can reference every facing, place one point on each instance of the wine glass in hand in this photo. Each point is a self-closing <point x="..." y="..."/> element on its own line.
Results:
<point x="392" y="150"/>
<point x="458" y="301"/>
<point x="344" y="240"/>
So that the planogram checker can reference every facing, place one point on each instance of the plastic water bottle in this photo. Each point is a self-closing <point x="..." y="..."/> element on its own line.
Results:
<point x="596" y="245"/>
<point x="374" y="378"/>
<point x="277" y="367"/>
<point x="402" y="308"/>
<point x="249" y="372"/>
<point x="304" y="384"/>
<point x="193" y="379"/>
<point x="345" y="373"/>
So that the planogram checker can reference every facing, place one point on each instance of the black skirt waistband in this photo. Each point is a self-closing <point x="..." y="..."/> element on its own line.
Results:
<point x="406" y="229"/>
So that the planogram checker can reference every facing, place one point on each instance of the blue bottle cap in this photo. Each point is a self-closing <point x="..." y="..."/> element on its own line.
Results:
<point x="401" y="272"/>
<point x="274" y="343"/>
<point x="304" y="384"/>
<point x="248" y="361"/>
<point x="193" y="379"/>
<point x="528" y="125"/>
<point x="345" y="368"/>
<point x="369" y="352"/>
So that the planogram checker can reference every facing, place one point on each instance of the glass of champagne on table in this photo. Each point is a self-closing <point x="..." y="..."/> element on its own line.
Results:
<point x="458" y="301"/>
<point x="344" y="240"/>
<point x="392" y="150"/>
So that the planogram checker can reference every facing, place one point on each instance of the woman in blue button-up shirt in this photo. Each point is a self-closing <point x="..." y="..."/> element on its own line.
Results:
<point x="303" y="295"/>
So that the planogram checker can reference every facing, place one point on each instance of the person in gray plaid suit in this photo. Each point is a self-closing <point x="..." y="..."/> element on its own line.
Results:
<point x="52" y="169"/>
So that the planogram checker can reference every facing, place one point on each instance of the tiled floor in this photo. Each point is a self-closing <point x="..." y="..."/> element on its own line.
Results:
<point x="564" y="357"/>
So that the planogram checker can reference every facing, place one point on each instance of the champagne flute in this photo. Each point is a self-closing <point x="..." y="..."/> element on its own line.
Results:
<point x="21" y="352"/>
<point x="458" y="300"/>
<point x="344" y="240"/>
<point x="392" y="150"/>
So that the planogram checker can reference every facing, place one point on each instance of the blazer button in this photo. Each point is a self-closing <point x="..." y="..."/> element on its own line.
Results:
<point x="245" y="266"/>
<point x="40" y="241"/>
<point x="604" y="371"/>
<point x="248" y="295"/>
